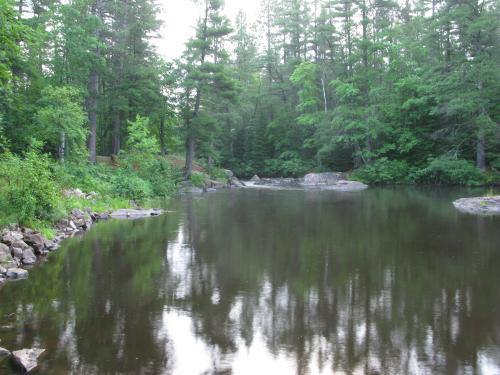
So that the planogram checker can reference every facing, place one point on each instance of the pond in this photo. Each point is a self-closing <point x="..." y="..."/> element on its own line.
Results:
<point x="388" y="280"/>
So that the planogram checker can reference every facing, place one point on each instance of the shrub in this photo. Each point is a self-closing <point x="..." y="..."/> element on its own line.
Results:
<point x="28" y="192"/>
<point x="163" y="178"/>
<point x="131" y="186"/>
<point x="199" y="179"/>
<point x="383" y="171"/>
<point x="448" y="171"/>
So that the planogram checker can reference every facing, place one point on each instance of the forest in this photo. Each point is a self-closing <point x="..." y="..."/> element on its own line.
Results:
<point x="391" y="92"/>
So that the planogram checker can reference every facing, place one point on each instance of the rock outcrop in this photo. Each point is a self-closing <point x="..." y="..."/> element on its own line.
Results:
<point x="479" y="205"/>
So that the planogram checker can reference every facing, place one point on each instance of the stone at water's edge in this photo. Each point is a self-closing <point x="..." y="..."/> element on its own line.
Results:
<point x="479" y="205"/>
<point x="4" y="353"/>
<point x="27" y="359"/>
<point x="17" y="273"/>
<point x="327" y="178"/>
<point x="344" y="185"/>
<point x="255" y="178"/>
<point x="135" y="213"/>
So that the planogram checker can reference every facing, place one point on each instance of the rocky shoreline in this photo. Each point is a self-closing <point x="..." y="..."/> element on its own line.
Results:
<point x="21" y="247"/>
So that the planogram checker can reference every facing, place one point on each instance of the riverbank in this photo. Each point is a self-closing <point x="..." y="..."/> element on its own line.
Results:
<point x="22" y="247"/>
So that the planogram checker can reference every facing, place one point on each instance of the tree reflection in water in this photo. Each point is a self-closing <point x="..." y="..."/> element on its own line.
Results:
<point x="387" y="281"/>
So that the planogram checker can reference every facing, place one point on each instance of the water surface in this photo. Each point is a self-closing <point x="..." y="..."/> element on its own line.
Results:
<point x="385" y="281"/>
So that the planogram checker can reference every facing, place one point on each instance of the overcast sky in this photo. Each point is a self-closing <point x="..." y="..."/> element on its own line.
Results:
<point x="179" y="17"/>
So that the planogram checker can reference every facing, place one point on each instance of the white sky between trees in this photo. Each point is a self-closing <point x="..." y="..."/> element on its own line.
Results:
<point x="180" y="16"/>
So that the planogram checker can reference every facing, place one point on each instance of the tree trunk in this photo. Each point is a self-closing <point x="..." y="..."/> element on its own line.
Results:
<point x="117" y="134"/>
<point x="480" y="152"/>
<point x="163" y="146"/>
<point x="190" y="151"/>
<point x="92" y="111"/>
<point x="62" y="146"/>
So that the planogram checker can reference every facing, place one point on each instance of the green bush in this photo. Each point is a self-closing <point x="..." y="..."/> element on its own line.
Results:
<point x="163" y="178"/>
<point x="28" y="192"/>
<point x="131" y="186"/>
<point x="448" y="171"/>
<point x="199" y="179"/>
<point x="383" y="171"/>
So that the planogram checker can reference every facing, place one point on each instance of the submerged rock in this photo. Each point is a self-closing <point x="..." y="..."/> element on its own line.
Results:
<point x="479" y="205"/>
<point x="27" y="359"/>
<point x="135" y="213"/>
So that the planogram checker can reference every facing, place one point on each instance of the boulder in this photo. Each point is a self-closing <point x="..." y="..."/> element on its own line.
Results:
<point x="26" y="359"/>
<point x="10" y="237"/>
<point x="344" y="185"/>
<point x="17" y="253"/>
<point x="479" y="205"/>
<point x="327" y="178"/>
<point x="28" y="257"/>
<point x="20" y="244"/>
<point x="4" y="353"/>
<point x="35" y="240"/>
<point x="17" y="273"/>
<point x="235" y="182"/>
<point x="255" y="178"/>
<point x="188" y="188"/>
<point x="3" y="270"/>
<point x="213" y="184"/>
<point x="5" y="255"/>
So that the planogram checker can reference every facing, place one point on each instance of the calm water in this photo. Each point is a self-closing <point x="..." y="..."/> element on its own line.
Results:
<point x="389" y="281"/>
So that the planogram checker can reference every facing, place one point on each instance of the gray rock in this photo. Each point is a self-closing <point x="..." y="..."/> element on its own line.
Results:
<point x="27" y="359"/>
<point x="11" y="236"/>
<point x="3" y="270"/>
<point x="479" y="205"/>
<point x="234" y="181"/>
<point x="28" y="257"/>
<point x="344" y="185"/>
<point x="17" y="273"/>
<point x="327" y="178"/>
<point x="4" y="353"/>
<point x="135" y="213"/>
<point x="20" y="244"/>
<point x="255" y="178"/>
<point x="188" y="188"/>
<point x="35" y="240"/>
<point x="17" y="252"/>
<point x="5" y="255"/>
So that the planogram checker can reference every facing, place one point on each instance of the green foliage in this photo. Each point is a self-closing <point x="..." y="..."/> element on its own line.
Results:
<point x="59" y="113"/>
<point x="383" y="171"/>
<point x="448" y="171"/>
<point x="28" y="192"/>
<point x="140" y="141"/>
<point x="199" y="179"/>
<point x="131" y="186"/>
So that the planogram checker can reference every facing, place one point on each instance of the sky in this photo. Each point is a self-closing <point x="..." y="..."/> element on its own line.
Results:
<point x="179" y="17"/>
